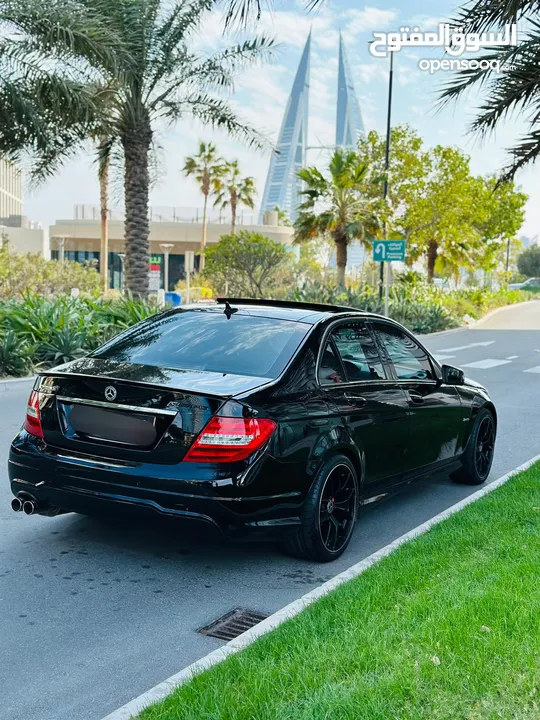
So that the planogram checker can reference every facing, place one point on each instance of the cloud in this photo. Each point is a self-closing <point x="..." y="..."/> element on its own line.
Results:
<point x="407" y="75"/>
<point x="426" y="22"/>
<point x="370" y="18"/>
<point x="369" y="72"/>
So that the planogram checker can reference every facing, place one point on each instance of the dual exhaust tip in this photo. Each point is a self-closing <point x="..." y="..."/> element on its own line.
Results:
<point x="20" y="504"/>
<point x="29" y="506"/>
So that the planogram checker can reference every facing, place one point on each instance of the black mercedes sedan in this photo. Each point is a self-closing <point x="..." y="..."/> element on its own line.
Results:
<point x="257" y="418"/>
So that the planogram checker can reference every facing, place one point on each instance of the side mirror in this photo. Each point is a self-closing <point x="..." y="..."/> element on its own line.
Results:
<point x="452" y="375"/>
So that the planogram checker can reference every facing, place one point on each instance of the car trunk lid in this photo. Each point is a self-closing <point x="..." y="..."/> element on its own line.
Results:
<point x="103" y="409"/>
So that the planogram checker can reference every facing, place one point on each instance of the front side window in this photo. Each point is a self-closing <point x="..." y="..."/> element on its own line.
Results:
<point x="358" y="352"/>
<point x="408" y="358"/>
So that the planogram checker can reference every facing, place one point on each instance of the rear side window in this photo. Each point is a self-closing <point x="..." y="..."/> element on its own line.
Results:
<point x="359" y="353"/>
<point x="408" y="358"/>
<point x="330" y="369"/>
<point x="203" y="340"/>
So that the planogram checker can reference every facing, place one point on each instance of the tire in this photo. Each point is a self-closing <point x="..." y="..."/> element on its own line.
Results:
<point x="327" y="522"/>
<point x="478" y="456"/>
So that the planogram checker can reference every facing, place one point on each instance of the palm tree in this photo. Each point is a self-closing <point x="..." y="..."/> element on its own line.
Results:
<point x="207" y="168"/>
<point x="151" y="73"/>
<point x="516" y="89"/>
<point x="235" y="190"/>
<point x="346" y="213"/>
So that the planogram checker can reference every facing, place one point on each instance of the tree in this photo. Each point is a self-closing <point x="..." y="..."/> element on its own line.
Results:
<point x="149" y="72"/>
<point x="207" y="169"/>
<point x="529" y="262"/>
<point x="504" y="209"/>
<point x="338" y="205"/>
<point x="516" y="88"/>
<point x="409" y="167"/>
<point x="234" y="190"/>
<point x="442" y="222"/>
<point x="283" y="218"/>
<point x="245" y="263"/>
<point x="48" y="115"/>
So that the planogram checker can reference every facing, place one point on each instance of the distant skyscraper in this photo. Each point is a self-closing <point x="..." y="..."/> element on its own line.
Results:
<point x="282" y="184"/>
<point x="349" y="125"/>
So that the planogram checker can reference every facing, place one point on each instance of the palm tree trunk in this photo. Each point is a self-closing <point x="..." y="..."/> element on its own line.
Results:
<point x="203" y="241"/>
<point x="233" y="213"/>
<point x="104" y="212"/>
<point x="432" y="250"/>
<point x="341" y="259"/>
<point x="136" y="143"/>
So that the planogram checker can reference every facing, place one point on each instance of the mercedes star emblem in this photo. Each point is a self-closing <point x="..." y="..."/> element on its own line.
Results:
<point x="110" y="393"/>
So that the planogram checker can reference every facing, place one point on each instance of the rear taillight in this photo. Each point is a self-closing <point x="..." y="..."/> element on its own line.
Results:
<point x="226" y="439"/>
<point x="32" y="424"/>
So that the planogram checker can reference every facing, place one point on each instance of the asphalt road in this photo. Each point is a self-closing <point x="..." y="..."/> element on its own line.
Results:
<point x="93" y="613"/>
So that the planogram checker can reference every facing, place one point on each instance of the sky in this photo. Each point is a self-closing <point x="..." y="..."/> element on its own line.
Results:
<point x="261" y="93"/>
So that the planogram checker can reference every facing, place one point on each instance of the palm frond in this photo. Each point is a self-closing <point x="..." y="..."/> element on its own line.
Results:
<point x="217" y="114"/>
<point x="479" y="15"/>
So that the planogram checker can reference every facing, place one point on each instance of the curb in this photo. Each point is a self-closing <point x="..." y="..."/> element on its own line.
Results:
<point x="452" y="331"/>
<point x="165" y="688"/>
<point x="7" y="384"/>
<point x="500" y="309"/>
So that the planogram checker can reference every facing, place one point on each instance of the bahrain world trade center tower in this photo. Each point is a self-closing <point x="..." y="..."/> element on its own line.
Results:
<point x="283" y="187"/>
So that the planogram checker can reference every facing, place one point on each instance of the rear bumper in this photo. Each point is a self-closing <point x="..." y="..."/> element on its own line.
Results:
<point x="79" y="486"/>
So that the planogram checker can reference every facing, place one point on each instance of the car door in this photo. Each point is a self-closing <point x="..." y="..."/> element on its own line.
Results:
<point x="435" y="410"/>
<point x="355" y="379"/>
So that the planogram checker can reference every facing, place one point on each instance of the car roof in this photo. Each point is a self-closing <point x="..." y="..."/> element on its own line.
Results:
<point x="309" y="313"/>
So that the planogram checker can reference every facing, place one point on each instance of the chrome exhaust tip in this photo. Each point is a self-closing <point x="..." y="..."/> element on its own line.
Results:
<point x="29" y="507"/>
<point x="16" y="504"/>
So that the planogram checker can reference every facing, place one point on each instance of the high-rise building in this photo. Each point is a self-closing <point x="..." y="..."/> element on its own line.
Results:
<point x="349" y="125"/>
<point x="11" y="200"/>
<point x="283" y="188"/>
<point x="282" y="183"/>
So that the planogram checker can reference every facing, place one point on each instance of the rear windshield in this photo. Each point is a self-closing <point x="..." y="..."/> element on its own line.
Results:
<point x="195" y="340"/>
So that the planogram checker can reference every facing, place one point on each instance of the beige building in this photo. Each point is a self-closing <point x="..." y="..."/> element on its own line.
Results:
<point x="11" y="194"/>
<point x="15" y="229"/>
<point x="78" y="239"/>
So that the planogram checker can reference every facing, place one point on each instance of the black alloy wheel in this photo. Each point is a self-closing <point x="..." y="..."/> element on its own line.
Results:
<point x="477" y="459"/>
<point x="337" y="508"/>
<point x="485" y="445"/>
<point x="329" y="513"/>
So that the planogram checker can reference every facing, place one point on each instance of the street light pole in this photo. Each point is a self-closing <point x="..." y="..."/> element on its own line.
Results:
<point x="386" y="167"/>
<point x="166" y="247"/>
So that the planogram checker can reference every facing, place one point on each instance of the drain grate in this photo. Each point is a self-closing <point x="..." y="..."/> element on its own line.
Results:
<point x="233" y="624"/>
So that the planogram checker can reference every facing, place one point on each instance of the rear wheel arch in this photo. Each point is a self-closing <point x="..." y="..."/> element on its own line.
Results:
<point x="351" y="452"/>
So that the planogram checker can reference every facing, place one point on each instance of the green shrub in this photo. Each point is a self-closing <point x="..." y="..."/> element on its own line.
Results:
<point x="419" y="306"/>
<point x="23" y="274"/>
<point x="46" y="332"/>
<point x="14" y="355"/>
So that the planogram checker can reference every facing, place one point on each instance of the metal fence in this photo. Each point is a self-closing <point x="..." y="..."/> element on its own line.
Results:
<point x="158" y="213"/>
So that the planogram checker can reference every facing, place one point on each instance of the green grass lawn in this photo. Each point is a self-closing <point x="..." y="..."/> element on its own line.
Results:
<point x="446" y="627"/>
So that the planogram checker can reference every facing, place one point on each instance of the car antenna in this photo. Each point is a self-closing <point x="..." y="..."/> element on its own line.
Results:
<point x="229" y="311"/>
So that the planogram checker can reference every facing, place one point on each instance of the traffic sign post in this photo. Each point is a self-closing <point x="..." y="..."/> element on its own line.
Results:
<point x="387" y="251"/>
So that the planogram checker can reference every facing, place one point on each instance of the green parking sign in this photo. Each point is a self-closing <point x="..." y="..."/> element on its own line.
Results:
<point x="389" y="250"/>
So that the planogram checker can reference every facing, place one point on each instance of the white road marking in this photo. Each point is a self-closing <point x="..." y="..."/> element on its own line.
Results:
<point x="533" y="370"/>
<point x="466" y="347"/>
<point x="165" y="688"/>
<point x="485" y="364"/>
<point x="440" y="358"/>
<point x="512" y="357"/>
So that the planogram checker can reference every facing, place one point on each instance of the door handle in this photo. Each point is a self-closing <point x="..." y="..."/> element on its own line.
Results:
<point x="356" y="398"/>
<point x="417" y="399"/>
